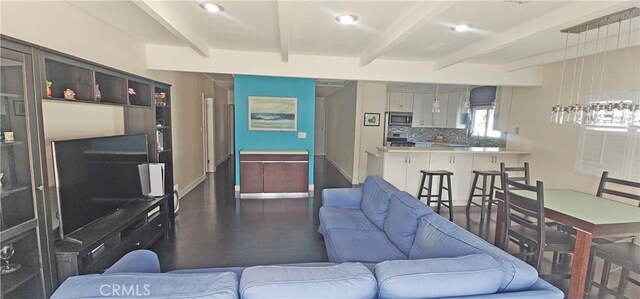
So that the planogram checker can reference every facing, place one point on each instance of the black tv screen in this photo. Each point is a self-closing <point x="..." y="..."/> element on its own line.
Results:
<point x="96" y="176"/>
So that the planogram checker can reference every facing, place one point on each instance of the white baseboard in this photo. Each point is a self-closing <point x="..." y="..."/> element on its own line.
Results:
<point x="193" y="184"/>
<point x="225" y="158"/>
<point x="342" y="171"/>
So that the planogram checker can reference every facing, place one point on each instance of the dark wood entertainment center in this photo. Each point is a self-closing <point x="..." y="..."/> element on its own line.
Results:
<point x="136" y="226"/>
<point x="26" y="218"/>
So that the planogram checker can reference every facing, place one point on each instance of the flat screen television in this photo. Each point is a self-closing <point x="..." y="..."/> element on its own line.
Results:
<point x="96" y="176"/>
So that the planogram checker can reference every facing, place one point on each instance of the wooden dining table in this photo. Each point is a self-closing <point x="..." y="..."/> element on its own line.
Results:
<point x="592" y="217"/>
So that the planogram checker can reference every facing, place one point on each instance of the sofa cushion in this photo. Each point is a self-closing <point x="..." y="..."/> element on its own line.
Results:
<point x="155" y="285"/>
<point x="348" y="280"/>
<point x="333" y="217"/>
<point x="376" y="194"/>
<point x="438" y="237"/>
<point x="402" y="220"/>
<point x="347" y="245"/>
<point x="474" y="274"/>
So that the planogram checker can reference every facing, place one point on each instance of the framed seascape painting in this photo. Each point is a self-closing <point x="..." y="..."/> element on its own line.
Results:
<point x="273" y="114"/>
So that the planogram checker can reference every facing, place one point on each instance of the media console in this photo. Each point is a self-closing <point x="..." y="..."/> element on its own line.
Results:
<point x="135" y="226"/>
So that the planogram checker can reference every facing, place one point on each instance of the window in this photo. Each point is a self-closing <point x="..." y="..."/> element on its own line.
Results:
<point x="607" y="149"/>
<point x="483" y="122"/>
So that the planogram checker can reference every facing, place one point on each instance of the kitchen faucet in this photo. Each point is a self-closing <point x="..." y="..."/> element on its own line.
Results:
<point x="471" y="137"/>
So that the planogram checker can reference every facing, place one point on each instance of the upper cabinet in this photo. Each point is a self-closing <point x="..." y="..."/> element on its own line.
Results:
<point x="400" y="101"/>
<point x="503" y="108"/>
<point x="450" y="115"/>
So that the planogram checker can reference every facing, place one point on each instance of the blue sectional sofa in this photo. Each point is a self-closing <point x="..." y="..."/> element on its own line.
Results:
<point x="380" y="224"/>
<point x="381" y="243"/>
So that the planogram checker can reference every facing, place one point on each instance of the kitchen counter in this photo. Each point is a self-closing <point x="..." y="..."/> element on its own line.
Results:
<point x="457" y="150"/>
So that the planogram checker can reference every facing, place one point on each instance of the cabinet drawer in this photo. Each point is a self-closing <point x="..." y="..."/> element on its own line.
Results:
<point x="251" y="174"/>
<point x="146" y="235"/>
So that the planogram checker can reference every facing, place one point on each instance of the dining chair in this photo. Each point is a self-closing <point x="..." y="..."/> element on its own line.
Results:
<point x="525" y="223"/>
<point x="623" y="252"/>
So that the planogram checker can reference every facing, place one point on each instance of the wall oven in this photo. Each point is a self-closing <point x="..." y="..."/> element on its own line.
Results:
<point x="400" y="119"/>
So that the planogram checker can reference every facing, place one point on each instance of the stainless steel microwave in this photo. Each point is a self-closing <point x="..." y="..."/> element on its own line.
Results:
<point x="400" y="119"/>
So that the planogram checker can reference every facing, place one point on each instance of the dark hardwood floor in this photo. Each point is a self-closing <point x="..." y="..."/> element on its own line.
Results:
<point x="213" y="229"/>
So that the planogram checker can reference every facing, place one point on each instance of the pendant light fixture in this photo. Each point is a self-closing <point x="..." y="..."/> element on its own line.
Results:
<point x="436" y="102"/>
<point x="606" y="107"/>
<point x="466" y="107"/>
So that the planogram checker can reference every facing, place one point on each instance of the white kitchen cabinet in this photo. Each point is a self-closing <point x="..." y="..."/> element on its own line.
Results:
<point x="422" y="106"/>
<point x="403" y="170"/>
<point x="460" y="165"/>
<point x="488" y="161"/>
<point x="440" y="118"/>
<point x="455" y="117"/>
<point x="400" y="101"/>
<point x="503" y="108"/>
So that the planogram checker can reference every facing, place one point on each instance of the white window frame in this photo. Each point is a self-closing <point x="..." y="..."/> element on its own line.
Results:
<point x="631" y="148"/>
<point x="488" y="128"/>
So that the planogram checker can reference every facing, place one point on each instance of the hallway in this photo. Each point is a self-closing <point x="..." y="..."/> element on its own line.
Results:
<point x="213" y="229"/>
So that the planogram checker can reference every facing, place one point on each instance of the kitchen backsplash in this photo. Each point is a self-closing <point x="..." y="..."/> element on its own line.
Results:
<point x="458" y="136"/>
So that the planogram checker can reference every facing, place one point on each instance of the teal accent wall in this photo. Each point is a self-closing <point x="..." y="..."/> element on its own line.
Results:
<point x="301" y="88"/>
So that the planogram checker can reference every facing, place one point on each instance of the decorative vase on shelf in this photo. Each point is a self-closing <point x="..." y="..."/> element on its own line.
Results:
<point x="69" y="94"/>
<point x="49" y="84"/>
<point x="98" y="93"/>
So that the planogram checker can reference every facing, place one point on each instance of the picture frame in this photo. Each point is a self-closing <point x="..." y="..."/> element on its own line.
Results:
<point x="272" y="113"/>
<point x="371" y="119"/>
<point x="18" y="108"/>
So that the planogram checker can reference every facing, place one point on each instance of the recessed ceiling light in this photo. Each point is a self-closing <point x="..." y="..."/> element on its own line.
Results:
<point x="211" y="7"/>
<point x="346" y="19"/>
<point x="461" y="27"/>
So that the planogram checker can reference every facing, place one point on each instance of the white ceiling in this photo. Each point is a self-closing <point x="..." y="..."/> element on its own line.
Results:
<point x="503" y="33"/>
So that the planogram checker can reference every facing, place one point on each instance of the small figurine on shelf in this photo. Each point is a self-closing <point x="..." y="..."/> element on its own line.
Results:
<point x="131" y="90"/>
<point x="69" y="94"/>
<point x="160" y="99"/>
<point x="159" y="140"/>
<point x="98" y="93"/>
<point x="49" y="84"/>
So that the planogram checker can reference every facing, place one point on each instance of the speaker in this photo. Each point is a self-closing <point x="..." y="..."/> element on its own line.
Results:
<point x="152" y="179"/>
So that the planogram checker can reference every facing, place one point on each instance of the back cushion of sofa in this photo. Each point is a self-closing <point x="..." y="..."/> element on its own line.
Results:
<point x="475" y="274"/>
<point x="346" y="280"/>
<point x="376" y="194"/>
<point x="150" y="285"/>
<point x="402" y="220"/>
<point x="438" y="237"/>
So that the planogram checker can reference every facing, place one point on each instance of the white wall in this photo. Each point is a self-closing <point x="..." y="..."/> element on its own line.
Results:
<point x="372" y="98"/>
<point x="62" y="27"/>
<point x="320" y="128"/>
<point x="221" y="124"/>
<point x="553" y="148"/>
<point x="340" y="129"/>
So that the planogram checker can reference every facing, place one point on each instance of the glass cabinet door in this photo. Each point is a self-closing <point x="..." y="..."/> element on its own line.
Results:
<point x="20" y="253"/>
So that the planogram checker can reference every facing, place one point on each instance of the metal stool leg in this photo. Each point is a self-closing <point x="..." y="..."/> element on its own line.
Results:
<point x="429" y="191"/>
<point x="606" y="270"/>
<point x="450" y="197"/>
<point x="441" y="177"/>
<point x="484" y="198"/>
<point x="424" y="175"/>
<point x="473" y="187"/>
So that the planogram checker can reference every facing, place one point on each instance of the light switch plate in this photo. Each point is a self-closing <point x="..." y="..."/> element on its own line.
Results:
<point x="302" y="135"/>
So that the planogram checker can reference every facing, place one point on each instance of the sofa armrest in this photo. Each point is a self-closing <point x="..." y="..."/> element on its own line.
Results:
<point x="139" y="261"/>
<point x="342" y="197"/>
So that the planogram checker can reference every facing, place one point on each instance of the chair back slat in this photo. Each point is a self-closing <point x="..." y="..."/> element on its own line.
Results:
<point x="524" y="170"/>
<point x="525" y="211"/>
<point x="606" y="182"/>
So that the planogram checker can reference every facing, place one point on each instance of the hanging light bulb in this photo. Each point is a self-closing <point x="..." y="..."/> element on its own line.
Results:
<point x="466" y="107"/>
<point x="580" y="109"/>
<point x="590" y="106"/>
<point x="627" y="113"/>
<point x="436" y="102"/>
<point x="557" y="111"/>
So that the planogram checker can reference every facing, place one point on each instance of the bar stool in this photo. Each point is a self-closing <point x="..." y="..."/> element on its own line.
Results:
<point x="440" y="174"/>
<point x="488" y="177"/>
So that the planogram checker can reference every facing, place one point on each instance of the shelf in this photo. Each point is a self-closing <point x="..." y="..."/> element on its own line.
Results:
<point x="142" y="97"/>
<point x="164" y="151"/>
<point x="63" y="76"/>
<point x="14" y="280"/>
<point x="163" y="127"/>
<point x="5" y="193"/>
<point x="112" y="89"/>
<point x="69" y="101"/>
<point x="10" y="95"/>
<point x="7" y="144"/>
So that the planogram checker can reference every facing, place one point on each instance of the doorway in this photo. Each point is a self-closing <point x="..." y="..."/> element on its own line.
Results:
<point x="320" y="134"/>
